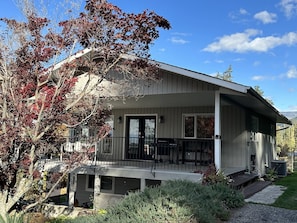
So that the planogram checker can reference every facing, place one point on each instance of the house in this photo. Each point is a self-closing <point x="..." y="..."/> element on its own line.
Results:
<point x="181" y="125"/>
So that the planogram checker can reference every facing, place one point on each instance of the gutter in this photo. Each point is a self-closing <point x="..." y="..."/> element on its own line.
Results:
<point x="264" y="101"/>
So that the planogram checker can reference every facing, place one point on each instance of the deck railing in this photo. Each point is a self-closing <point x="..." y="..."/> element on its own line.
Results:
<point x="151" y="153"/>
<point x="159" y="153"/>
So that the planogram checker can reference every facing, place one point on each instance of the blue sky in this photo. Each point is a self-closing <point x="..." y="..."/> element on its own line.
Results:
<point x="257" y="38"/>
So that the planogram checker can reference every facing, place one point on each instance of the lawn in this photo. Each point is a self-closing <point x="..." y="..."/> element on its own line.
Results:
<point x="288" y="199"/>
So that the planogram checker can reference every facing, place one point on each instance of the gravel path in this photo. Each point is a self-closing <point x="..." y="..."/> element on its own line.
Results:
<point x="258" y="213"/>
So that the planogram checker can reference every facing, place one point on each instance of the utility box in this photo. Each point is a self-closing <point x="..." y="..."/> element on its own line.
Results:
<point x="280" y="167"/>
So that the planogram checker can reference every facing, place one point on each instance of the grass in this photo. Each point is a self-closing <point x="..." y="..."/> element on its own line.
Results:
<point x="288" y="199"/>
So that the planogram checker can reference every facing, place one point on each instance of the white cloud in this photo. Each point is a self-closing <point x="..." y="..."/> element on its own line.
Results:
<point x="266" y="17"/>
<point x="181" y="34"/>
<point x="249" y="41"/>
<point x="258" y="78"/>
<point x="237" y="14"/>
<point x="292" y="72"/>
<point x="178" y="40"/>
<point x="289" y="7"/>
<point x="238" y="59"/>
<point x="262" y="78"/>
<point x="256" y="63"/>
<point x="243" y="11"/>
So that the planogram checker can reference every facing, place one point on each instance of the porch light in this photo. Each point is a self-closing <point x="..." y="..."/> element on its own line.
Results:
<point x="120" y="119"/>
<point x="161" y="119"/>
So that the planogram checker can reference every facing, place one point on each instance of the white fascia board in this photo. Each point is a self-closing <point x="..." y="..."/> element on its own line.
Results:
<point x="206" y="78"/>
<point x="71" y="58"/>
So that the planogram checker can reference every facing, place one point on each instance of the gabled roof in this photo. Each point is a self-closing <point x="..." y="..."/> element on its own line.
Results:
<point x="252" y="99"/>
<point x="247" y="97"/>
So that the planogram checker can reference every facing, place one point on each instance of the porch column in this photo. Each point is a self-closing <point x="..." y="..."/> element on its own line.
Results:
<point x="217" y="132"/>
<point x="96" y="198"/>
<point x="142" y="184"/>
<point x="72" y="188"/>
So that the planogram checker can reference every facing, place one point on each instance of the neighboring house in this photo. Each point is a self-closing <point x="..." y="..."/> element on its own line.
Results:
<point x="182" y="124"/>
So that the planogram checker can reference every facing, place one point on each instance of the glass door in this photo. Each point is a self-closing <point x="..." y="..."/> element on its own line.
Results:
<point x="140" y="136"/>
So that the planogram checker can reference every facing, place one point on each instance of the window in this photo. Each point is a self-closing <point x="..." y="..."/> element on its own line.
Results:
<point x="106" y="144"/>
<point x="205" y="126"/>
<point x="90" y="182"/>
<point x="198" y="125"/>
<point x="255" y="124"/>
<point x="189" y="126"/>
<point x="106" y="185"/>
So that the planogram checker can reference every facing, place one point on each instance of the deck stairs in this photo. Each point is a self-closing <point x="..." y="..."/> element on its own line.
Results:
<point x="247" y="183"/>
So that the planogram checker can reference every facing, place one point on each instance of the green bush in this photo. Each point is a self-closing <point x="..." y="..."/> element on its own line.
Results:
<point x="175" y="201"/>
<point x="14" y="218"/>
<point x="60" y="219"/>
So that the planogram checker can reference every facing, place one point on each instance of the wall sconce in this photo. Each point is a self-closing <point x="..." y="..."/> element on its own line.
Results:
<point x="161" y="119"/>
<point x="120" y="119"/>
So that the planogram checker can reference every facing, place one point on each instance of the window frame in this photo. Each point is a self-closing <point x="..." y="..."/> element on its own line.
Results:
<point x="111" y="191"/>
<point x="108" y="140"/>
<point x="88" y="182"/>
<point x="195" y="115"/>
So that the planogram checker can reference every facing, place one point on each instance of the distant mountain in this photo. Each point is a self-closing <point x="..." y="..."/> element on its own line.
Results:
<point x="290" y="115"/>
<point x="294" y="120"/>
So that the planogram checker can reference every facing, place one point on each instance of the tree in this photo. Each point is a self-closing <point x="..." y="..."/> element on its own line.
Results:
<point x="286" y="141"/>
<point x="227" y="75"/>
<point x="38" y="94"/>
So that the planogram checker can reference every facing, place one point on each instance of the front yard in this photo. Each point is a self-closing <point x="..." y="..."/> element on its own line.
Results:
<point x="288" y="199"/>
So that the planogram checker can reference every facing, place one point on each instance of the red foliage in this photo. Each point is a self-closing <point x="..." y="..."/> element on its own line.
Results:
<point x="36" y="174"/>
<point x="35" y="98"/>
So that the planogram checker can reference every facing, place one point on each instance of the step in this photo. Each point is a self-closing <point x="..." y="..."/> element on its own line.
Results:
<point x="242" y="180"/>
<point x="254" y="187"/>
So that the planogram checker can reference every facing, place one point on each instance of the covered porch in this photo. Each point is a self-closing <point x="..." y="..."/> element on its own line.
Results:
<point x="172" y="154"/>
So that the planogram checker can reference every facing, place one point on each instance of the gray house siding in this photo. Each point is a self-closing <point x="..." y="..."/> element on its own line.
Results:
<point x="244" y="145"/>
<point x="172" y="126"/>
<point x="171" y="83"/>
<point x="82" y="194"/>
<point x="234" y="137"/>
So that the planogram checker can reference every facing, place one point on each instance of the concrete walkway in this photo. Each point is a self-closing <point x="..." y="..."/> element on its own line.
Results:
<point x="268" y="195"/>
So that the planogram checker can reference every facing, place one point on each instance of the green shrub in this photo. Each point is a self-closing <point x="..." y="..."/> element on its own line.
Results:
<point x="175" y="201"/>
<point x="271" y="174"/>
<point x="14" y="218"/>
<point x="60" y="219"/>
<point x="83" y="219"/>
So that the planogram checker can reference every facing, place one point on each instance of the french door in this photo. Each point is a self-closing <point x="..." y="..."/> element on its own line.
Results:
<point x="140" y="135"/>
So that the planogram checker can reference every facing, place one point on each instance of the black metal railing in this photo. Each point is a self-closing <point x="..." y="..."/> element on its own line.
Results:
<point x="154" y="153"/>
<point x="158" y="153"/>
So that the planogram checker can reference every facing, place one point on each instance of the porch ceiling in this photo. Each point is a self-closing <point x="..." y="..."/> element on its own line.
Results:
<point x="258" y="105"/>
<point x="167" y="100"/>
<point x="247" y="101"/>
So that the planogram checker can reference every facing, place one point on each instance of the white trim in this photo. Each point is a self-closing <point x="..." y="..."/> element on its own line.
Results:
<point x="195" y="115"/>
<point x="217" y="132"/>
